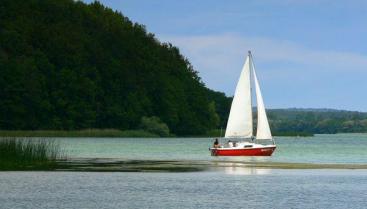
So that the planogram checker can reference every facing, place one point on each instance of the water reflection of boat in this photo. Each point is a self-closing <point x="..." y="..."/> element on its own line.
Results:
<point x="240" y="169"/>
<point x="239" y="131"/>
<point x="246" y="171"/>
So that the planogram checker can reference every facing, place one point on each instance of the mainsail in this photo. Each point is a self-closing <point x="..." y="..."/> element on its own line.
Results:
<point x="239" y="123"/>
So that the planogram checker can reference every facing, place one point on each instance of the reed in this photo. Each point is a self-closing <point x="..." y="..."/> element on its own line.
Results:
<point x="29" y="153"/>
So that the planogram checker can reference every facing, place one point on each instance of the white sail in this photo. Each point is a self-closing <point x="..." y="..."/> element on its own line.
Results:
<point x="263" y="129"/>
<point x="239" y="123"/>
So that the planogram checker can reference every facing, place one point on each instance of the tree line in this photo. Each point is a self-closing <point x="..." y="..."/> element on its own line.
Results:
<point x="317" y="121"/>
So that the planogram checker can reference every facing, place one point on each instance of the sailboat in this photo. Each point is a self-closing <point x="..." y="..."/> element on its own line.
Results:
<point x="239" y="131"/>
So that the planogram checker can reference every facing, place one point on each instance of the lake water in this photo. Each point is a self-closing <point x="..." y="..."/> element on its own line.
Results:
<point x="337" y="148"/>
<point x="229" y="187"/>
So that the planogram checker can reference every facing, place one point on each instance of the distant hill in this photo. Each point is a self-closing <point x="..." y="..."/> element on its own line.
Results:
<point x="300" y="121"/>
<point x="317" y="120"/>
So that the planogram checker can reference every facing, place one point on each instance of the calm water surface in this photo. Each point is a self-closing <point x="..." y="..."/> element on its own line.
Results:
<point x="229" y="187"/>
<point x="337" y="148"/>
<point x="272" y="189"/>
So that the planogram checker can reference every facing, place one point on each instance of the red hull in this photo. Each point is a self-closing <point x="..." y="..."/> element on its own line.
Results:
<point x="243" y="152"/>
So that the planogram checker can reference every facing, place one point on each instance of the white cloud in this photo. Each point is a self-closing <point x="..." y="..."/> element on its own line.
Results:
<point x="219" y="50"/>
<point x="219" y="58"/>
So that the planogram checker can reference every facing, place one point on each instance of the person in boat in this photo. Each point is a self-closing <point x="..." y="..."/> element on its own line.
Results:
<point x="230" y="143"/>
<point x="234" y="144"/>
<point x="216" y="143"/>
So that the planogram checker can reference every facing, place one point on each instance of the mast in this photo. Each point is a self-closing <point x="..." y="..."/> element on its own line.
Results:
<point x="251" y="68"/>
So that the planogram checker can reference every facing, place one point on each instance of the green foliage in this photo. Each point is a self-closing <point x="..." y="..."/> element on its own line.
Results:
<point x="67" y="65"/>
<point x="154" y="125"/>
<point x="215" y="133"/>
<point x="222" y="105"/>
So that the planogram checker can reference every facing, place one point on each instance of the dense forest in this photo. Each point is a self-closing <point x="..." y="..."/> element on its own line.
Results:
<point x="67" y="65"/>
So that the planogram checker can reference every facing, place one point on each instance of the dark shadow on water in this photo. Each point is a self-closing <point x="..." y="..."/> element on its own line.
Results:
<point x="229" y="167"/>
<point x="115" y="165"/>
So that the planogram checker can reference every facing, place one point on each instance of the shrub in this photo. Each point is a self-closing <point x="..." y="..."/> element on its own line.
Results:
<point x="154" y="125"/>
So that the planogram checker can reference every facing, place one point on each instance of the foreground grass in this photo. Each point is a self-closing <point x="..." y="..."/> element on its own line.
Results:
<point x="77" y="133"/>
<point x="29" y="154"/>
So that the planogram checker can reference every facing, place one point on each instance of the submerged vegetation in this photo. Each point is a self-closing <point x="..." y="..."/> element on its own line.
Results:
<point x="29" y="154"/>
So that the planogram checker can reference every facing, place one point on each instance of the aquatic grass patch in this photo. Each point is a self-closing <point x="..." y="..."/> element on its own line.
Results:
<point x="29" y="153"/>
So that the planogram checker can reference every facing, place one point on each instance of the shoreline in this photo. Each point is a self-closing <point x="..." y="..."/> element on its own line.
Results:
<point x="115" y="133"/>
<point x="103" y="133"/>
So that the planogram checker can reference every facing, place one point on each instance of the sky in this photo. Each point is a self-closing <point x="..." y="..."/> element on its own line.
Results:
<point x="307" y="53"/>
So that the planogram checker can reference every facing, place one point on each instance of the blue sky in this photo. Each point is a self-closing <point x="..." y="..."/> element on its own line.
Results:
<point x="307" y="53"/>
